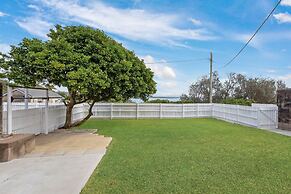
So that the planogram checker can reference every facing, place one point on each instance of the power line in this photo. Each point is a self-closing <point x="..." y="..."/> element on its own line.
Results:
<point x="266" y="19"/>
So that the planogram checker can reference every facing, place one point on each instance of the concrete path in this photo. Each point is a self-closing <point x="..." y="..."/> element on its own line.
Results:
<point x="280" y="131"/>
<point x="61" y="163"/>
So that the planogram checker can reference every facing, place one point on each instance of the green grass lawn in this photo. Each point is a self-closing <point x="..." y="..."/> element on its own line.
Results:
<point x="190" y="156"/>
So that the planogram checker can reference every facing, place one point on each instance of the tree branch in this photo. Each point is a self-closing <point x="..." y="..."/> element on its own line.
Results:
<point x="64" y="101"/>
<point x="90" y="113"/>
<point x="82" y="101"/>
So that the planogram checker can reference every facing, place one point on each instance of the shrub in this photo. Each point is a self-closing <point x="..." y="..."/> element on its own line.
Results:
<point x="238" y="101"/>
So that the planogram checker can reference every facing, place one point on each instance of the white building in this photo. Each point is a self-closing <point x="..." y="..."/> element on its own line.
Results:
<point x="34" y="95"/>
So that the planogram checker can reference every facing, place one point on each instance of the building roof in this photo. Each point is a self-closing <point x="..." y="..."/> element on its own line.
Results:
<point x="37" y="93"/>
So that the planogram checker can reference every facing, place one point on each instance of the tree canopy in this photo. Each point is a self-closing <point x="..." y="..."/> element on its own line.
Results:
<point x="243" y="89"/>
<point x="91" y="65"/>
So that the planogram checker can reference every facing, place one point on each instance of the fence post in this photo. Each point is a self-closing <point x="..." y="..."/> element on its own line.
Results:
<point x="237" y="113"/>
<point x="136" y="111"/>
<point x="183" y="111"/>
<point x="224" y="117"/>
<point x="258" y="121"/>
<point x="46" y="130"/>
<point x="9" y="111"/>
<point x="26" y="99"/>
<point x="198" y="110"/>
<point x="161" y="115"/>
<point x="276" y="117"/>
<point x="111" y="111"/>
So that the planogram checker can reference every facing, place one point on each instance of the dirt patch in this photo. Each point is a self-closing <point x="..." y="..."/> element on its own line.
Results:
<point x="63" y="142"/>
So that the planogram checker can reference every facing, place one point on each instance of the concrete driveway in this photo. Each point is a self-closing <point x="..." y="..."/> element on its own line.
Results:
<point x="61" y="163"/>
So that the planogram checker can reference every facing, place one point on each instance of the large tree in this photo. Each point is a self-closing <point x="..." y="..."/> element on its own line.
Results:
<point x="199" y="91"/>
<point x="236" y="86"/>
<point x="91" y="65"/>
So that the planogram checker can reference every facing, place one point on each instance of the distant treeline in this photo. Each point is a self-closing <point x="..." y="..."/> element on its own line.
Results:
<point x="168" y="101"/>
<point x="235" y="89"/>
<point x="245" y="102"/>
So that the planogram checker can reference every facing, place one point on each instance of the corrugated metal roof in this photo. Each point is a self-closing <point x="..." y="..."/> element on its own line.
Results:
<point x="38" y="93"/>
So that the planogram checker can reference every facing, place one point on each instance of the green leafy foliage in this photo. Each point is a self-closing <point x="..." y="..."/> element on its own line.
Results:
<point x="90" y="64"/>
<point x="239" y="101"/>
<point x="170" y="102"/>
<point x="159" y="101"/>
<point x="236" y="87"/>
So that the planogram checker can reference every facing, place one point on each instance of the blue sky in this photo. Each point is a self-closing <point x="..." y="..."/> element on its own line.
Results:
<point x="165" y="31"/>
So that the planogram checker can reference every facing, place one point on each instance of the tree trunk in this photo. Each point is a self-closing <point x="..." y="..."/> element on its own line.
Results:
<point x="90" y="113"/>
<point x="69" y="110"/>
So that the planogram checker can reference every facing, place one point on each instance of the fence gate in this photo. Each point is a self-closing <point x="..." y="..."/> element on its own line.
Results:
<point x="284" y="108"/>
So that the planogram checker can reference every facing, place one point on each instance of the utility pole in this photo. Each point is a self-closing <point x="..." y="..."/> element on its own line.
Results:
<point x="211" y="79"/>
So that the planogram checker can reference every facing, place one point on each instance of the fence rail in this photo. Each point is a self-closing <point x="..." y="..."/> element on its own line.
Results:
<point x="31" y="105"/>
<point x="34" y="120"/>
<point x="258" y="115"/>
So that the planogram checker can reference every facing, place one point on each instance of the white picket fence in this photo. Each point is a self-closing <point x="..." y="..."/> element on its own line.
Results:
<point x="258" y="115"/>
<point x="33" y="120"/>
<point x="31" y="105"/>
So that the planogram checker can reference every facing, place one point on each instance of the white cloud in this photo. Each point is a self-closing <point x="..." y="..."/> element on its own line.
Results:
<point x="289" y="67"/>
<point x="161" y="69"/>
<point x="4" y="48"/>
<point x="2" y="14"/>
<point x="283" y="17"/>
<point x="255" y="43"/>
<point x="286" y="2"/>
<point x="168" y="84"/>
<point x="133" y="24"/>
<point x="165" y="76"/>
<point x="196" y="22"/>
<point x="270" y="70"/>
<point x="286" y="78"/>
<point x="35" y="7"/>
<point x="35" y="26"/>
<point x="264" y="38"/>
